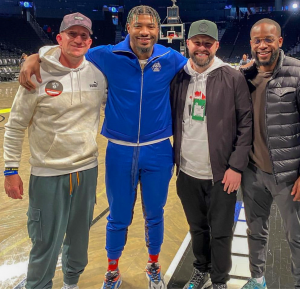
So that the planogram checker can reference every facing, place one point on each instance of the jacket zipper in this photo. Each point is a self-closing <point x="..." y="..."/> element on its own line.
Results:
<point x="267" y="131"/>
<point x="141" y="98"/>
<point x="181" y="136"/>
<point x="142" y="85"/>
<point x="180" y="155"/>
<point x="212" y="180"/>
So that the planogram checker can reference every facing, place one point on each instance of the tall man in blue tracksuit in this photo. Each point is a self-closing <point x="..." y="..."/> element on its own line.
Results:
<point x="138" y="126"/>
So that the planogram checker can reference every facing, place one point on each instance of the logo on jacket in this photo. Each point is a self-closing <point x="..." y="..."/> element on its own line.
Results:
<point x="95" y="84"/>
<point x="277" y="84"/>
<point x="54" y="88"/>
<point x="156" y="67"/>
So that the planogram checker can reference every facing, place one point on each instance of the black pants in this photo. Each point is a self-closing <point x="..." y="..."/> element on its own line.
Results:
<point x="210" y="214"/>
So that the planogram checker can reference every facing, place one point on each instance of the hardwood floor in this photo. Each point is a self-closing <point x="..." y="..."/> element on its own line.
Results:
<point x="15" y="244"/>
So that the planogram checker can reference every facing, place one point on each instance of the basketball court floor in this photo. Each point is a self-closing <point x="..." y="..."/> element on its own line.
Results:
<point x="176" y="256"/>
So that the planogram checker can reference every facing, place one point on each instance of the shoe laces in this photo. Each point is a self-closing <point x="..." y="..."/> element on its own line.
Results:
<point x="197" y="277"/>
<point x="221" y="286"/>
<point x="250" y="284"/>
<point x="110" y="277"/>
<point x="154" y="271"/>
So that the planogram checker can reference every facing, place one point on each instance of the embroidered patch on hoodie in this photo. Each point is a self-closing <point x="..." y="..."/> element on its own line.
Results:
<point x="54" y="88"/>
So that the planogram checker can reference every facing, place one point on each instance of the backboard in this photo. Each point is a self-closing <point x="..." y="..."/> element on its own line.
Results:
<point x="175" y="30"/>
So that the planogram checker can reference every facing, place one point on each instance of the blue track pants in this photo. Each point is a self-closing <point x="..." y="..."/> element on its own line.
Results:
<point x="126" y="166"/>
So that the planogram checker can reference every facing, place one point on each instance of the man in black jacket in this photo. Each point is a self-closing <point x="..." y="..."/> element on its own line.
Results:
<point x="212" y="123"/>
<point x="273" y="171"/>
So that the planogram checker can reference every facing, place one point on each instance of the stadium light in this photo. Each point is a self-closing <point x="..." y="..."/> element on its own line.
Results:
<point x="295" y="5"/>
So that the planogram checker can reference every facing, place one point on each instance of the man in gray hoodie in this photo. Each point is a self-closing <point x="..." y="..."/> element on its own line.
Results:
<point x="212" y="125"/>
<point x="64" y="166"/>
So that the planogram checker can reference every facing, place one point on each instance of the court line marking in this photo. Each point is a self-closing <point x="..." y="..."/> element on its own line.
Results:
<point x="5" y="110"/>
<point x="168" y="275"/>
<point x="177" y="258"/>
<point x="7" y="249"/>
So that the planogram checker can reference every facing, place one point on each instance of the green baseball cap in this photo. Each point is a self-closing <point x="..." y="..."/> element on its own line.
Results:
<point x="203" y="27"/>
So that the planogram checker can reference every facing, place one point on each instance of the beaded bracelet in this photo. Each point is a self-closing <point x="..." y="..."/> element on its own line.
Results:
<point x="11" y="169"/>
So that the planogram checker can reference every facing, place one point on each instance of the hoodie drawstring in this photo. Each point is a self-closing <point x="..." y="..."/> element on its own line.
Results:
<point x="77" y="178"/>
<point x="71" y="185"/>
<point x="193" y="96"/>
<point x="78" y="82"/>
<point x="71" y="75"/>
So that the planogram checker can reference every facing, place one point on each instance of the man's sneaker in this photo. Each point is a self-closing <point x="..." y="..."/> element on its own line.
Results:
<point x="198" y="280"/>
<point x="219" y="286"/>
<point x="252" y="284"/>
<point x="153" y="273"/>
<point x="66" y="286"/>
<point x="113" y="280"/>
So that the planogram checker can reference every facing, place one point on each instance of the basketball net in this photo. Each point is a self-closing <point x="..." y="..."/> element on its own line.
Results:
<point x="170" y="38"/>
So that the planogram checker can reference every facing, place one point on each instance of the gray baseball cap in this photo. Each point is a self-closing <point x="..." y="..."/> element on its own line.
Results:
<point x="76" y="19"/>
<point x="203" y="27"/>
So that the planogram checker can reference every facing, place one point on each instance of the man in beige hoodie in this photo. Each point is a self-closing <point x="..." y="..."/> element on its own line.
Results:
<point x="62" y="116"/>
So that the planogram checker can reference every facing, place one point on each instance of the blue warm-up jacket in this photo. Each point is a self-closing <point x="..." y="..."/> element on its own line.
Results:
<point x="138" y="105"/>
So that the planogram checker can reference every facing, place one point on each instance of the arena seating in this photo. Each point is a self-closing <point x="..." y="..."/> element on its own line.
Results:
<point x="233" y="44"/>
<point x="24" y="36"/>
<point x="235" y="41"/>
<point x="9" y="68"/>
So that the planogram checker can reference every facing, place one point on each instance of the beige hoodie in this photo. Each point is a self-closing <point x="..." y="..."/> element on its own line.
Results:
<point x="62" y="116"/>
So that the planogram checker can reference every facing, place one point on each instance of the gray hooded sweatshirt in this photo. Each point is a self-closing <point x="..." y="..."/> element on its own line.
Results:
<point x="195" y="160"/>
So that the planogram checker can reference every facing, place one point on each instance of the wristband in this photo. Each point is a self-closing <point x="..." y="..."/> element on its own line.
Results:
<point x="10" y="173"/>
<point x="11" y="169"/>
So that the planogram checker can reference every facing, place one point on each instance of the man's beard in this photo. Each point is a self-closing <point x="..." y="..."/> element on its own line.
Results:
<point x="272" y="59"/>
<point x="144" y="50"/>
<point x="202" y="63"/>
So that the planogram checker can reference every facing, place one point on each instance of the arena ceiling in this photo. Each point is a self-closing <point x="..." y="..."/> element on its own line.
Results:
<point x="128" y="4"/>
<point x="189" y="9"/>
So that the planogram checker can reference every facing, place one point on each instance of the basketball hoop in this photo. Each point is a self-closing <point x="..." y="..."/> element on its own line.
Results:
<point x="170" y="38"/>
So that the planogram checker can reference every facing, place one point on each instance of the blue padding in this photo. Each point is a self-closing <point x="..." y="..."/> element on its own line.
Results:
<point x="238" y="207"/>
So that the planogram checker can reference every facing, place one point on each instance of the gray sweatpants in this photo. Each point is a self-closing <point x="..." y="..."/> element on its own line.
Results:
<point x="59" y="206"/>
<point x="259" y="189"/>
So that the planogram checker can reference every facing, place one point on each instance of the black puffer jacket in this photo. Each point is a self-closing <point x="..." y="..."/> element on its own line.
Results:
<point x="282" y="117"/>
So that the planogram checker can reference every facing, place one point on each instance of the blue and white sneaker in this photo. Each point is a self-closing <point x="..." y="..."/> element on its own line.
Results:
<point x="113" y="280"/>
<point x="153" y="273"/>
<point x="252" y="284"/>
